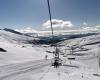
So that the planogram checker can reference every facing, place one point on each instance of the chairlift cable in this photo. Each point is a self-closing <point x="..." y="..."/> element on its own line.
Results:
<point x="50" y="16"/>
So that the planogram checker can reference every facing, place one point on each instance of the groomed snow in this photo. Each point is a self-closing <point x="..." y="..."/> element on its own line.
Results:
<point x="24" y="61"/>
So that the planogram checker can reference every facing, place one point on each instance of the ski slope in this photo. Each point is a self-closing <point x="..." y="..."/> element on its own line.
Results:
<point x="17" y="50"/>
<point x="25" y="61"/>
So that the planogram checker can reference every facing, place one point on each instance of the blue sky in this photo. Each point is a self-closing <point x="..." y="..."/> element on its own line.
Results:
<point x="33" y="13"/>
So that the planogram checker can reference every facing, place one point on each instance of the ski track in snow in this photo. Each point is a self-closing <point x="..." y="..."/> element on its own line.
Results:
<point x="23" y="68"/>
<point x="41" y="70"/>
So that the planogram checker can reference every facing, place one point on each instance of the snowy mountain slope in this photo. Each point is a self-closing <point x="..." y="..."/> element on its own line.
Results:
<point x="86" y="49"/>
<point x="20" y="58"/>
<point x="16" y="53"/>
<point x="13" y="38"/>
<point x="13" y="31"/>
<point x="83" y="40"/>
<point x="89" y="42"/>
<point x="19" y="48"/>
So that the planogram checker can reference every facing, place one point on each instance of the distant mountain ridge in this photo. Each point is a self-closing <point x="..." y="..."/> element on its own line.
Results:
<point x="9" y="35"/>
<point x="13" y="31"/>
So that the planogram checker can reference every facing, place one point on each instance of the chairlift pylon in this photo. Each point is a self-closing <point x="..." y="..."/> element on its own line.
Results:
<point x="56" y="62"/>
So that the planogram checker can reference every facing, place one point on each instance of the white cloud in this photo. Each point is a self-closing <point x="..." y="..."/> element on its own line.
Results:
<point x="58" y="24"/>
<point x="86" y="28"/>
<point x="89" y="28"/>
<point x="97" y="26"/>
<point x="27" y="30"/>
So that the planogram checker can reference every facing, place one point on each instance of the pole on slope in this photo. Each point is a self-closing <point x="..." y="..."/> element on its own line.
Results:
<point x="56" y="62"/>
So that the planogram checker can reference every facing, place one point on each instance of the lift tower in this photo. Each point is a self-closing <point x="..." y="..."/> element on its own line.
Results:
<point x="57" y="61"/>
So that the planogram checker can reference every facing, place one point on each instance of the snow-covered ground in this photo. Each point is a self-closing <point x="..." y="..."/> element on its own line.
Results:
<point x="25" y="61"/>
<point x="18" y="49"/>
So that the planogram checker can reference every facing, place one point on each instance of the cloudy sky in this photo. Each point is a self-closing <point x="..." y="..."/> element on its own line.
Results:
<point x="34" y="13"/>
